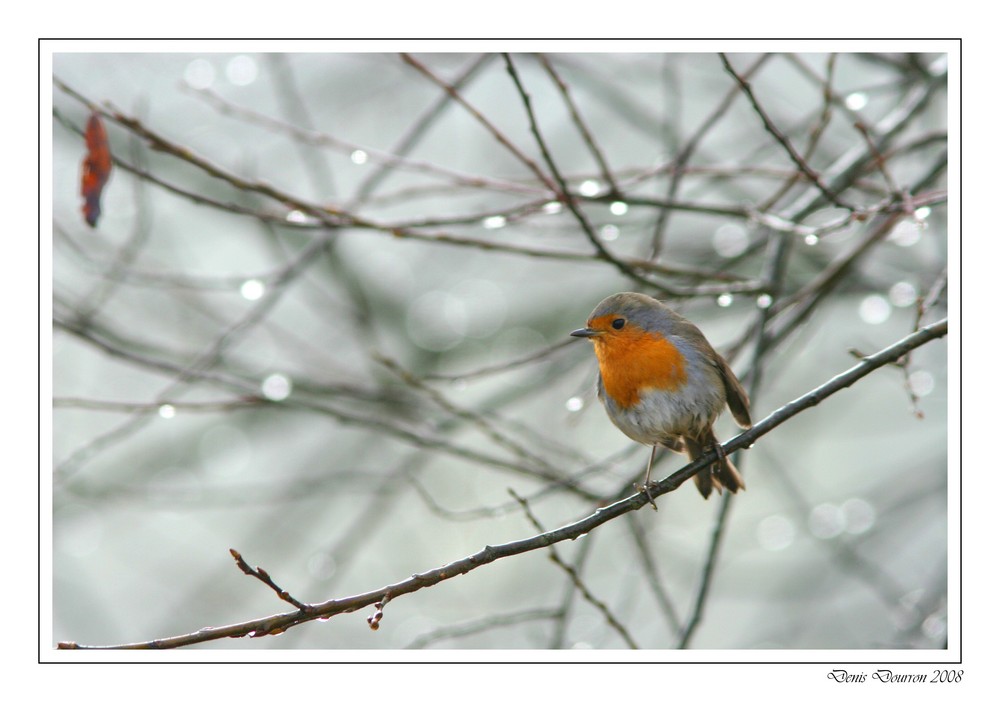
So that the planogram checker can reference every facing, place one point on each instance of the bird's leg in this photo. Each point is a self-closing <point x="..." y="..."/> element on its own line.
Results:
<point x="717" y="468"/>
<point x="645" y="483"/>
<point x="649" y="466"/>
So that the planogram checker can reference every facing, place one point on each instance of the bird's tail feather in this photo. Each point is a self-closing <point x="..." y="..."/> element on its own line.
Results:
<point x="718" y="475"/>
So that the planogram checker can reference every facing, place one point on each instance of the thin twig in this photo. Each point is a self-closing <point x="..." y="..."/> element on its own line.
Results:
<point x="153" y="407"/>
<point x="263" y="576"/>
<point x="932" y="297"/>
<point x="478" y="626"/>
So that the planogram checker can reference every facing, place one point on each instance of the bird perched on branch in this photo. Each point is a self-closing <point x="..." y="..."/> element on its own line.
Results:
<point x="663" y="384"/>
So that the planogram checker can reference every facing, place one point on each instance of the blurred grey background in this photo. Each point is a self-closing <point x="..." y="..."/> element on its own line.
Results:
<point x="347" y="396"/>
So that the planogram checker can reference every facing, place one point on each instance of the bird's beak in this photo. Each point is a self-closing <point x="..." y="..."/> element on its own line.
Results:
<point x="586" y="333"/>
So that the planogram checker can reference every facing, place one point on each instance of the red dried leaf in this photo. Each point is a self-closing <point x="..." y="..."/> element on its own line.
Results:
<point x="96" y="169"/>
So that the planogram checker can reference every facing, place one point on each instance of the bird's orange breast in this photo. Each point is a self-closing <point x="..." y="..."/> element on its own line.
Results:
<point x="633" y="360"/>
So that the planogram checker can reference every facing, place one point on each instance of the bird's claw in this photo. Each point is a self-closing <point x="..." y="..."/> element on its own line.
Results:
<point x="649" y="496"/>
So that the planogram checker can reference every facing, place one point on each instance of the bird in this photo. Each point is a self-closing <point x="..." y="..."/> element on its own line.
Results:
<point x="663" y="385"/>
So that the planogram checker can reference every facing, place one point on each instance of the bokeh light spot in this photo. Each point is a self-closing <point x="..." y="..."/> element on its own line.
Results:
<point x="276" y="387"/>
<point x="775" y="533"/>
<point x="241" y="70"/>
<point x="199" y="74"/>
<point x="826" y="521"/>
<point x="858" y="515"/>
<point x="252" y="289"/>
<point x="484" y="307"/>
<point x="81" y="531"/>
<point x="902" y="294"/>
<point x="437" y="321"/>
<point x="618" y="208"/>
<point x="730" y="240"/>
<point x="934" y="626"/>
<point x="922" y="383"/>
<point x="856" y="101"/>
<point x="906" y="233"/>
<point x="224" y="451"/>
<point x="321" y="566"/>
<point x="874" y="309"/>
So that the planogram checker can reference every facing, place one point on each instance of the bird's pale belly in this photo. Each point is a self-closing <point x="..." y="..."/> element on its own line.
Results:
<point x="661" y="417"/>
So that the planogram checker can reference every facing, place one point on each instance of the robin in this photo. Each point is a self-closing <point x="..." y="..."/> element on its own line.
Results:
<point x="663" y="384"/>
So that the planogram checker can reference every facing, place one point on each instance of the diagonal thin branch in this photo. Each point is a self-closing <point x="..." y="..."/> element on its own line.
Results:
<point x="485" y="624"/>
<point x="263" y="576"/>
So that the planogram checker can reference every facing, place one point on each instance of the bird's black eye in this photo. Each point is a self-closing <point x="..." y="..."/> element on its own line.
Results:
<point x="618" y="323"/>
